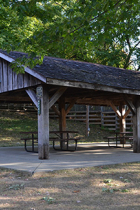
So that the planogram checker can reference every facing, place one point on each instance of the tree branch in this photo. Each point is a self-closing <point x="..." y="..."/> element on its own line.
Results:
<point x="92" y="19"/>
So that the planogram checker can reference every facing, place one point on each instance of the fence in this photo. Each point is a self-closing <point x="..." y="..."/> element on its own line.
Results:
<point x="107" y="119"/>
<point x="102" y="116"/>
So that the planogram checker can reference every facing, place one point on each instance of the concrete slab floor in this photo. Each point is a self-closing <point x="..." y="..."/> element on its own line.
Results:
<point x="87" y="155"/>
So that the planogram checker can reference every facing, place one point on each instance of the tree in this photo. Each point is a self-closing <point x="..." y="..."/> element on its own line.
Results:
<point x="99" y="31"/>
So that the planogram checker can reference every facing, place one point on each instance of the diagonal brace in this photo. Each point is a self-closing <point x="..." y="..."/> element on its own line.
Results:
<point x="56" y="96"/>
<point x="32" y="95"/>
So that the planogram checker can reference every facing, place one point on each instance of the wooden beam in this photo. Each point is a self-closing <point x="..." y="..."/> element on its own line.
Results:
<point x="70" y="106"/>
<point x="62" y="119"/>
<point x="130" y="104"/>
<point x="90" y="86"/>
<point x="56" y="96"/>
<point x="87" y="120"/>
<point x="115" y="109"/>
<point x="32" y="95"/>
<point x="136" y="128"/>
<point x="126" y="113"/>
<point x="122" y="120"/>
<point x="135" y="133"/>
<point x="43" y="125"/>
<point x="55" y="110"/>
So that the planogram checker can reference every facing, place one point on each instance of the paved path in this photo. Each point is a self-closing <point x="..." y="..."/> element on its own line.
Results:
<point x="86" y="155"/>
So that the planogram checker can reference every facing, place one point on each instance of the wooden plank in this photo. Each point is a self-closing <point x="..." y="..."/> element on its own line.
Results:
<point x="14" y="81"/>
<point x="33" y="97"/>
<point x="1" y="80"/>
<point x="28" y="70"/>
<point x="30" y="81"/>
<point x="20" y="81"/>
<point x="43" y="126"/>
<point x="5" y="76"/>
<point x="35" y="74"/>
<point x="10" y="78"/>
<point x="6" y="57"/>
<point x="33" y="81"/>
<point x="56" y="96"/>
<point x="26" y="80"/>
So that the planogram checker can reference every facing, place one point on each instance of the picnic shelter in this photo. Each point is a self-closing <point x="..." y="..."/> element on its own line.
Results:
<point x="69" y="82"/>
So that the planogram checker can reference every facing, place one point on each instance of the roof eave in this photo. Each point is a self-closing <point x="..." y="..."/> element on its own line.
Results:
<point x="90" y="86"/>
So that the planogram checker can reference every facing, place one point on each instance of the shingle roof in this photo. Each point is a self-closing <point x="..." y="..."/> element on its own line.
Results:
<point x="70" y="70"/>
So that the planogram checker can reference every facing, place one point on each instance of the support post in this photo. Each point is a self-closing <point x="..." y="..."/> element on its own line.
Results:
<point x="43" y="124"/>
<point x="62" y="118"/>
<point x="136" y="128"/>
<point x="122" y="119"/>
<point x="87" y="120"/>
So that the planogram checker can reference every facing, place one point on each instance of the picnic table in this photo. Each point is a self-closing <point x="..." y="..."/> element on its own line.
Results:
<point x="60" y="136"/>
<point x="121" y="137"/>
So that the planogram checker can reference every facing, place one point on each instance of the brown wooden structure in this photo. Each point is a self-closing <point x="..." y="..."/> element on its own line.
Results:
<point x="69" y="82"/>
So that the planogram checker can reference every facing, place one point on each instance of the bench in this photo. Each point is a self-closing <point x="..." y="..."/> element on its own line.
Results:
<point x="34" y="140"/>
<point x="67" y="143"/>
<point x="121" y="139"/>
<point x="111" y="138"/>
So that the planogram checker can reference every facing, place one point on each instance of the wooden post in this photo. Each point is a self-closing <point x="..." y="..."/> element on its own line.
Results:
<point x="136" y="128"/>
<point x="87" y="120"/>
<point x="102" y="116"/>
<point x="43" y="123"/>
<point x="135" y="133"/>
<point x="122" y="119"/>
<point x="62" y="118"/>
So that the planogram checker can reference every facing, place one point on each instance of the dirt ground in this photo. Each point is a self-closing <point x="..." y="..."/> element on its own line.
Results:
<point x="105" y="187"/>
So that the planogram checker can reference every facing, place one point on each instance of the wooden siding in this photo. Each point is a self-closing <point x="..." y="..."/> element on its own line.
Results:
<point x="9" y="80"/>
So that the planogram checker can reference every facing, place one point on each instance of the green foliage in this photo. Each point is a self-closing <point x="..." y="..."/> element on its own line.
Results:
<point x="49" y="200"/>
<point x="104" y="31"/>
<point x="16" y="186"/>
<point x="107" y="180"/>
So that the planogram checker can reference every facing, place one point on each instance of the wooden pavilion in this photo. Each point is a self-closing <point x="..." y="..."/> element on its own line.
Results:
<point x="69" y="82"/>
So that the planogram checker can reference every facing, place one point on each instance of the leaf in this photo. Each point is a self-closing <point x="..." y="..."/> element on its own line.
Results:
<point x="49" y="200"/>
<point x="104" y="189"/>
<point x="17" y="186"/>
<point x="125" y="190"/>
<point x="107" y="180"/>
<point x="76" y="191"/>
<point x="126" y="180"/>
<point x="111" y="190"/>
